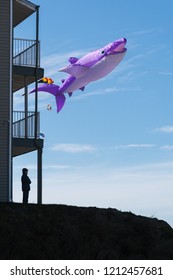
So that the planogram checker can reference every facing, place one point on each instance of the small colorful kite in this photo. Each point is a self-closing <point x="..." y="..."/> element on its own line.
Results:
<point x="49" y="107"/>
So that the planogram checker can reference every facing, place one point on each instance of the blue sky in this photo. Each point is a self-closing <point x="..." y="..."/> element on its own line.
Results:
<point x="111" y="145"/>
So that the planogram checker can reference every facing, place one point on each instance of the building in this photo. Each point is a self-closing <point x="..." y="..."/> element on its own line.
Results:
<point x="19" y="67"/>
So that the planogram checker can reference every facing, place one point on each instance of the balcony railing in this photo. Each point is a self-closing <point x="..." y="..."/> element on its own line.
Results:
<point x="24" y="52"/>
<point x="24" y="125"/>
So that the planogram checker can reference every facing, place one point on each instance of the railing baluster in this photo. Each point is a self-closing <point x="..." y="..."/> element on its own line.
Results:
<point x="24" y="52"/>
<point x="19" y="124"/>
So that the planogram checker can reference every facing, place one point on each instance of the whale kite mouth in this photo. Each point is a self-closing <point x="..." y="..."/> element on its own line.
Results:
<point x="121" y="48"/>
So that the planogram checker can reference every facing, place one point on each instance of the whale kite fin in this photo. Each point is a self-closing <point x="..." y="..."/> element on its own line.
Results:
<point x="82" y="88"/>
<point x="73" y="60"/>
<point x="76" y="71"/>
<point x="60" y="101"/>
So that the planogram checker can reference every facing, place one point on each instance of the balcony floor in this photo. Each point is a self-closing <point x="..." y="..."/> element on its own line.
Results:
<point x="25" y="145"/>
<point x="19" y="73"/>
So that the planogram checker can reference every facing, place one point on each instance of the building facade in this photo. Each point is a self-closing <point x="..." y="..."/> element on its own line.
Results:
<point x="19" y="67"/>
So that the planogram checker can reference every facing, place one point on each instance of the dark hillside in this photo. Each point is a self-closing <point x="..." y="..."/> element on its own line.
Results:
<point x="77" y="233"/>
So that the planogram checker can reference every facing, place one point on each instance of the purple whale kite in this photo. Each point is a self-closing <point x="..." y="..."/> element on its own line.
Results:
<point x="91" y="67"/>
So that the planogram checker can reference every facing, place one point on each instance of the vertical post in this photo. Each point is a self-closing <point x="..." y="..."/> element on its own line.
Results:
<point x="36" y="70"/>
<point x="39" y="170"/>
<point x="39" y="149"/>
<point x="26" y="107"/>
<point x="6" y="56"/>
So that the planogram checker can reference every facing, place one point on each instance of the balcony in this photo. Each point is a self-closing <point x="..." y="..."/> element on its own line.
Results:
<point x="24" y="140"/>
<point x="24" y="124"/>
<point x="25" y="56"/>
<point x="24" y="52"/>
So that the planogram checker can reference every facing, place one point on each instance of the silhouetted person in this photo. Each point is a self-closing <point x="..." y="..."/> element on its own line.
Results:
<point x="25" y="185"/>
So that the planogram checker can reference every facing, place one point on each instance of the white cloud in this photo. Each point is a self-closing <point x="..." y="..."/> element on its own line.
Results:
<point x="99" y="92"/>
<point x="73" y="148"/>
<point x="135" y="146"/>
<point x="56" y="166"/>
<point x="29" y="167"/>
<point x="167" y="147"/>
<point x="144" y="31"/>
<point x="166" y="73"/>
<point x="166" y="129"/>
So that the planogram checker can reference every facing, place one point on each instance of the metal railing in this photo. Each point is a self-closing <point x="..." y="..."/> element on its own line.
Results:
<point x="24" y="124"/>
<point x="24" y="52"/>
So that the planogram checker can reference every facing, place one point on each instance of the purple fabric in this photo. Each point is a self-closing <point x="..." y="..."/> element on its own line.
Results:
<point x="60" y="100"/>
<point x="91" y="67"/>
<point x="50" y="88"/>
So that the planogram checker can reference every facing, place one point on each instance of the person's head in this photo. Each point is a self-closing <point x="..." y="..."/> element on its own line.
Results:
<point x="24" y="170"/>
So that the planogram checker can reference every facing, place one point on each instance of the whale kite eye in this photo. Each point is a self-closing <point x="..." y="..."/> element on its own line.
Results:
<point x="102" y="52"/>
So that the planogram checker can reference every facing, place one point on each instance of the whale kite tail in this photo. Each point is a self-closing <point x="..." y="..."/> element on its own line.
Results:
<point x="60" y="101"/>
<point x="48" y="86"/>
